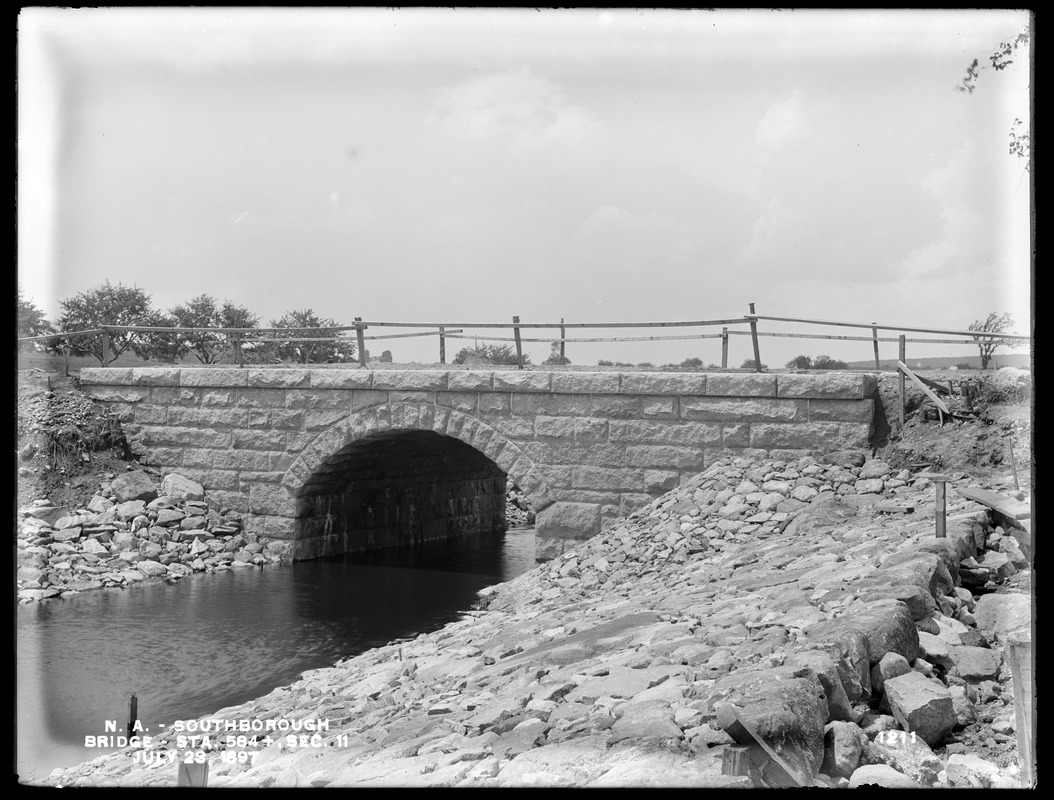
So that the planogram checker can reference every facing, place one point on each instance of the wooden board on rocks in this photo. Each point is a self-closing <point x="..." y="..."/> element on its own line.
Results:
<point x="1005" y="505"/>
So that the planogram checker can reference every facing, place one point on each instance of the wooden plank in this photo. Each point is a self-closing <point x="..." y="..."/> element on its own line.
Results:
<point x="938" y="387"/>
<point x="926" y="390"/>
<point x="1007" y="506"/>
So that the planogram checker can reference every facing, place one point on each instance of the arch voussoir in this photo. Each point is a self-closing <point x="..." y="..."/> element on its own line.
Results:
<point x="395" y="416"/>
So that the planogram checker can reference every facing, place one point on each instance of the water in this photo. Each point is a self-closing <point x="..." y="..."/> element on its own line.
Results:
<point x="209" y="641"/>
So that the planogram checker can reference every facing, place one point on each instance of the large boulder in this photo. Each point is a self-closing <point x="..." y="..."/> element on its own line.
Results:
<point x="921" y="705"/>
<point x="135" y="485"/>
<point x="180" y="488"/>
<point x="785" y="707"/>
<point x="1003" y="613"/>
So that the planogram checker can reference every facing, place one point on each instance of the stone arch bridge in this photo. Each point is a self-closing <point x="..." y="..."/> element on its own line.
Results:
<point x="334" y="460"/>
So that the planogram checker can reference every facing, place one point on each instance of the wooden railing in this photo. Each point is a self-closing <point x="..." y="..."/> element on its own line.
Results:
<point x="238" y="337"/>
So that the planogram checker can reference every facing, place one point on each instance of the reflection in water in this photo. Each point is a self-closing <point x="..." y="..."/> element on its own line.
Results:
<point x="210" y="641"/>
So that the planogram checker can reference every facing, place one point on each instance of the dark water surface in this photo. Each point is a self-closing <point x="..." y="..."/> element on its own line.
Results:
<point x="190" y="648"/>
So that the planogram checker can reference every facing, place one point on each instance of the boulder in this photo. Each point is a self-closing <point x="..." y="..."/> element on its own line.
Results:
<point x="875" y="468"/>
<point x="975" y="664"/>
<point x="905" y="752"/>
<point x="1003" y="613"/>
<point x="824" y="663"/>
<point x="135" y="485"/>
<point x="652" y="720"/>
<point x="888" y="628"/>
<point x="181" y="488"/>
<point x="891" y="665"/>
<point x="880" y="775"/>
<point x="843" y="743"/>
<point x="786" y="710"/>
<point x="921" y="705"/>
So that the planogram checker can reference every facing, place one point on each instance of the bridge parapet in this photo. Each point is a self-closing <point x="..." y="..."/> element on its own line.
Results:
<point x="586" y="447"/>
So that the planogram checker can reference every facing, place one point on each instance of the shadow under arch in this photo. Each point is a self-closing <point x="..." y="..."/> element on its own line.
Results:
<point x="402" y="472"/>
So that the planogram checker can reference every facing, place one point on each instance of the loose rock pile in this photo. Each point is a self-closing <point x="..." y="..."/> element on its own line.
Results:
<point x="518" y="513"/>
<point x="132" y="530"/>
<point x="761" y="602"/>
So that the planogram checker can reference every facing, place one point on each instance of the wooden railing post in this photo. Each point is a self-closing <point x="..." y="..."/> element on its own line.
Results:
<point x="519" y="344"/>
<point x="903" y="360"/>
<point x="105" y="346"/>
<point x="239" y="358"/>
<point x="724" y="348"/>
<point x="563" y="335"/>
<point x="874" y="335"/>
<point x="754" y="337"/>
<point x="361" y="336"/>
<point x="442" y="345"/>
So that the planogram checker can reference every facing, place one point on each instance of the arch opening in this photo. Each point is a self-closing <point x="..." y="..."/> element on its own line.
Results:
<point x="398" y="488"/>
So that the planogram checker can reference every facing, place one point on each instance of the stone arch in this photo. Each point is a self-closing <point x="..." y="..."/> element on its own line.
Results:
<point x="332" y="520"/>
<point x="424" y="417"/>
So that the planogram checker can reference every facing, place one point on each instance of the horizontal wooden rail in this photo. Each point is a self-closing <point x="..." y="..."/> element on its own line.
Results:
<point x="409" y="335"/>
<point x="616" y="339"/>
<point x="736" y="321"/>
<point x="853" y="338"/>
<point x="58" y="335"/>
<point x="876" y="326"/>
<point x="344" y="339"/>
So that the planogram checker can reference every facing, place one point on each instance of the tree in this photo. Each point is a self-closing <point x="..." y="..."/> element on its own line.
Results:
<point x="30" y="322"/>
<point x="1000" y="59"/>
<point x="386" y="357"/>
<point x="106" y="305"/>
<point x="159" y="345"/>
<point x="826" y="362"/>
<point x="502" y="354"/>
<point x="305" y="324"/>
<point x="555" y="359"/>
<point x="996" y="323"/>
<point x="750" y="363"/>
<point x="800" y="362"/>
<point x="209" y="347"/>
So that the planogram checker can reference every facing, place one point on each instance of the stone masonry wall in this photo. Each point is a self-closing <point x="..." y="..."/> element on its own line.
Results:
<point x="585" y="447"/>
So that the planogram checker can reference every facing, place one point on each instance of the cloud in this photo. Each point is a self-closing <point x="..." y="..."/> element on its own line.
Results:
<point x="783" y="124"/>
<point x="527" y="110"/>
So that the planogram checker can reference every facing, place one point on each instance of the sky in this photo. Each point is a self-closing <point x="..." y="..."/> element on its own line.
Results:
<point x="472" y="165"/>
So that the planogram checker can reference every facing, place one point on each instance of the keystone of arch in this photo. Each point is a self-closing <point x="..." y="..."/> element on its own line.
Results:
<point x="488" y="440"/>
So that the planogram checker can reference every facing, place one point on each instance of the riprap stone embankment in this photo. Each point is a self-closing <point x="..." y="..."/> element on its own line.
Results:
<point x="760" y="596"/>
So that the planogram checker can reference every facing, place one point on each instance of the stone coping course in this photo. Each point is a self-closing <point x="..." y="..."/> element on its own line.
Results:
<point x="834" y="385"/>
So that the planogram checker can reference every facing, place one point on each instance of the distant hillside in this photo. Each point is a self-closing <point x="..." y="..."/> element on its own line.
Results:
<point x="1020" y="360"/>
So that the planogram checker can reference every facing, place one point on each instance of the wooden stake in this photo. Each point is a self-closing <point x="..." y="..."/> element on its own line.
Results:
<point x="1013" y="464"/>
<point x="442" y="345"/>
<point x="193" y="775"/>
<point x="874" y="334"/>
<point x="361" y="336"/>
<point x="941" y="509"/>
<point x="562" y="337"/>
<point x="519" y="344"/>
<point x="903" y="359"/>
<point x="724" y="348"/>
<point x="1019" y="655"/>
<point x="754" y="336"/>
<point x="105" y="347"/>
